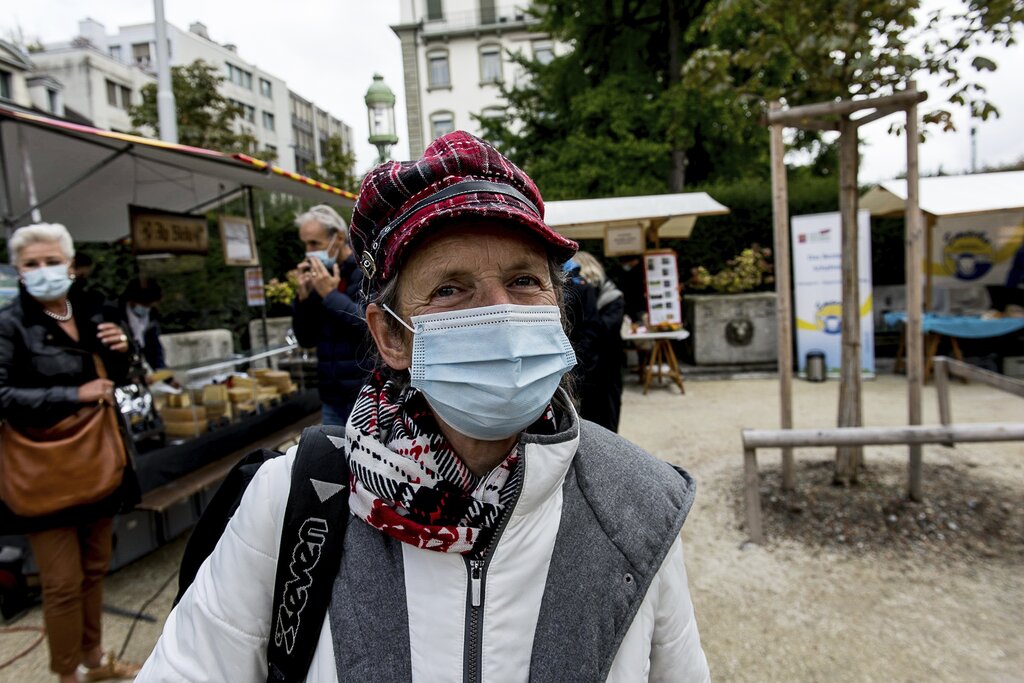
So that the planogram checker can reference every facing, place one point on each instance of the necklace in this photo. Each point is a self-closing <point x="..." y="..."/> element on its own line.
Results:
<point x="61" y="318"/>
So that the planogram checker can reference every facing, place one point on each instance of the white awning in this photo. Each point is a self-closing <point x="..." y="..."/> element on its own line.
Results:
<point x="672" y="214"/>
<point x="951" y="195"/>
<point x="85" y="177"/>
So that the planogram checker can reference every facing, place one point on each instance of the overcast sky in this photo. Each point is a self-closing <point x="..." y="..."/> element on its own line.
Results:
<point x="328" y="51"/>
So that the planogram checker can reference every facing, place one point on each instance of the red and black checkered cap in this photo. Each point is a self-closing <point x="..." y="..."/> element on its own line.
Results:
<point x="459" y="176"/>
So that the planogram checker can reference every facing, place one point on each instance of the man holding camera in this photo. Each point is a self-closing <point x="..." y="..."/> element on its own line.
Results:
<point x="328" y="313"/>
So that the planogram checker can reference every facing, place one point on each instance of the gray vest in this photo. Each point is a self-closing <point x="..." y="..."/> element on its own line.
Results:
<point x="622" y="512"/>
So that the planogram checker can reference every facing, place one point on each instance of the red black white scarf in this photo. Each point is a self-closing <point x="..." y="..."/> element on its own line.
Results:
<point x="409" y="483"/>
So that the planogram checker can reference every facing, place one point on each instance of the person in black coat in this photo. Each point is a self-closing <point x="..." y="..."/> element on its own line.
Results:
<point x="138" y="308"/>
<point x="48" y="337"/>
<point x="328" y="312"/>
<point x="601" y="394"/>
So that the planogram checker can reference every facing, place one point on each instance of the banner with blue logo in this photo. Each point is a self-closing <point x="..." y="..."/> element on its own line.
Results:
<point x="818" y="289"/>
<point x="975" y="250"/>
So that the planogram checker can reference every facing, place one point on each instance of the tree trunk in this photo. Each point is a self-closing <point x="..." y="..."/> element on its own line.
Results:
<point x="848" y="458"/>
<point x="677" y="176"/>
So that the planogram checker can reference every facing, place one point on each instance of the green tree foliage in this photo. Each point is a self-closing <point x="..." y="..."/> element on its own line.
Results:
<point x="654" y="92"/>
<point x="337" y="166"/>
<point x="206" y="118"/>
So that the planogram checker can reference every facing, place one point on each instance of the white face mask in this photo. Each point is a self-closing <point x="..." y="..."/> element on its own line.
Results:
<point x="48" y="283"/>
<point x="489" y="372"/>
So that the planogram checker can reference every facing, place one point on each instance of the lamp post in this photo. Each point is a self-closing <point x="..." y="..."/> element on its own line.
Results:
<point x="380" y="110"/>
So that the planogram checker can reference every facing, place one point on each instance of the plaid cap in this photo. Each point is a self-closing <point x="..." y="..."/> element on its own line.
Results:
<point x="459" y="176"/>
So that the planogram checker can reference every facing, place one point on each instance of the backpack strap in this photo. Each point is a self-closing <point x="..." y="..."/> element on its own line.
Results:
<point x="310" y="553"/>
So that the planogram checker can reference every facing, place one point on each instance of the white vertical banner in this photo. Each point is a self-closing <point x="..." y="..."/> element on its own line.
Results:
<point x="818" y="289"/>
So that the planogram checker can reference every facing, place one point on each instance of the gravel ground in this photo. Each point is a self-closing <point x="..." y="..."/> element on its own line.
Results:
<point x="878" y="605"/>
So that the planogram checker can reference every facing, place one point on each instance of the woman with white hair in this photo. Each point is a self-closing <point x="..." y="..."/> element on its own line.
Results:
<point x="49" y="339"/>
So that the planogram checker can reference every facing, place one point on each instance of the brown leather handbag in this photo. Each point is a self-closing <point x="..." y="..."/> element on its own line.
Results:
<point x="77" y="461"/>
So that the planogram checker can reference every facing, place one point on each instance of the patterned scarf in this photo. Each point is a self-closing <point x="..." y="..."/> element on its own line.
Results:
<point x="409" y="483"/>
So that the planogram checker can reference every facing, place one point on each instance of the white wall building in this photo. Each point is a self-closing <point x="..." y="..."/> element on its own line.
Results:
<point x="15" y="68"/>
<point x="96" y="86"/>
<point x="104" y="73"/>
<point x="454" y="54"/>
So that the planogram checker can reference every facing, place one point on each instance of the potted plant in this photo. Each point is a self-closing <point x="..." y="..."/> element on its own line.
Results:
<point x="734" y="323"/>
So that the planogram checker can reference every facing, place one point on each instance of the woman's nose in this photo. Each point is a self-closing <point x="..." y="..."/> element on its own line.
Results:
<point x="492" y="293"/>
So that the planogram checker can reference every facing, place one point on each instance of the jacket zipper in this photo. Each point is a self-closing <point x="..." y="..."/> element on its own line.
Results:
<point x="476" y="570"/>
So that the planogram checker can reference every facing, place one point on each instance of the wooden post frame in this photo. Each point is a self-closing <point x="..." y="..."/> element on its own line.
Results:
<point x="783" y="292"/>
<point x="238" y="241"/>
<point x="914" y="236"/>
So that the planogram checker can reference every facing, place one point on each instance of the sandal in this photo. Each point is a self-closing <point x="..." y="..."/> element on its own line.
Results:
<point x="110" y="669"/>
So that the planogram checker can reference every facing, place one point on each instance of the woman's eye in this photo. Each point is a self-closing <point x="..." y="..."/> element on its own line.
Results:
<point x="445" y="290"/>
<point x="525" y="281"/>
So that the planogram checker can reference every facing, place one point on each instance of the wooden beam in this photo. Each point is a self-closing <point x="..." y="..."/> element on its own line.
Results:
<point x="879" y="113"/>
<point x="914" y="256"/>
<point x="848" y="458"/>
<point x="883" y="436"/>
<point x="973" y="372"/>
<point x="783" y="292"/>
<point x="793" y="115"/>
<point x="815" y="124"/>
<point x="753" y="496"/>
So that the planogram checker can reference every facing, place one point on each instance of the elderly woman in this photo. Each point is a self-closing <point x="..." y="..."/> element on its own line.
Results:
<point x="493" y="536"/>
<point x="48" y="336"/>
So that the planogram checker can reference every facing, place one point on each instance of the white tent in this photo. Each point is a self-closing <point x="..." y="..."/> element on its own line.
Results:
<point x="951" y="195"/>
<point x="85" y="178"/>
<point x="662" y="215"/>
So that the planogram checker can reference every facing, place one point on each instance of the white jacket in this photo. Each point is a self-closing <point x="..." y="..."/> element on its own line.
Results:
<point x="219" y="630"/>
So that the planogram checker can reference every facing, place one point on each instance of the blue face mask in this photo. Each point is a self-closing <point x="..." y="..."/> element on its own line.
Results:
<point x="324" y="258"/>
<point x="48" y="283"/>
<point x="140" y="311"/>
<point x="490" y="372"/>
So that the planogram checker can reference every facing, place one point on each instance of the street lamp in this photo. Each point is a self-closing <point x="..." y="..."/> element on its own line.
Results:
<point x="380" y="109"/>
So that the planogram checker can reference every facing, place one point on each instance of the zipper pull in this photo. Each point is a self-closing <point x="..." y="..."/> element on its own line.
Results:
<point x="476" y="572"/>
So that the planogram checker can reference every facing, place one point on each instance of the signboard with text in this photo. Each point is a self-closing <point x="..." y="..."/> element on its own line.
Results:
<point x="255" y="294"/>
<point x="624" y="240"/>
<point x="818" y="289"/>
<point x="164" y="232"/>
<point x="663" y="299"/>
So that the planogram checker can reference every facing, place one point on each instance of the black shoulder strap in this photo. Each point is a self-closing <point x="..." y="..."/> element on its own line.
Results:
<point x="310" y="552"/>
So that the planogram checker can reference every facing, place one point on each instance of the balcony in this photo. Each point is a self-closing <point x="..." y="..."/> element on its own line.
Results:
<point x="477" y="22"/>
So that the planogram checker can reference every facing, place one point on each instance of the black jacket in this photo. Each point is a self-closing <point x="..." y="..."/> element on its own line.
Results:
<point x="334" y="325"/>
<point x="151" y="348"/>
<point x="41" y="368"/>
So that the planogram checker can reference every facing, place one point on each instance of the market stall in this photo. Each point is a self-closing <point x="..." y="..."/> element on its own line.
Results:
<point x="106" y="186"/>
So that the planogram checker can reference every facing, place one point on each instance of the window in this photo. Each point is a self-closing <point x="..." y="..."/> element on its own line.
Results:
<point x="271" y="149"/>
<point x="435" y="11"/>
<point x="246" y="111"/>
<point x="5" y="84"/>
<point x="488" y="12"/>
<point x="268" y="120"/>
<point x="493" y="113"/>
<point x="115" y="52"/>
<point x="126" y="97"/>
<point x="118" y="96"/>
<point x="441" y="122"/>
<point x="141" y="55"/>
<point x="543" y="51"/>
<point x="51" y="100"/>
<point x="490" y="64"/>
<point x="239" y="76"/>
<point x="438" y="70"/>
<point x="111" y="93"/>
<point x="266" y="88"/>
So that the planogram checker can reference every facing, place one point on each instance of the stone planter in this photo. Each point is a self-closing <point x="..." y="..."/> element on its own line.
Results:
<point x="731" y="329"/>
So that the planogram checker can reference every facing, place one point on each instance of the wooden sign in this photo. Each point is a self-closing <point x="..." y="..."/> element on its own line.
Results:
<point x="624" y="240"/>
<point x="164" y="232"/>
<point x="238" y="241"/>
<point x="663" y="300"/>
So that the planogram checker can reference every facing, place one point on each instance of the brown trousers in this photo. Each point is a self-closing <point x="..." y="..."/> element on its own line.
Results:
<point x="72" y="563"/>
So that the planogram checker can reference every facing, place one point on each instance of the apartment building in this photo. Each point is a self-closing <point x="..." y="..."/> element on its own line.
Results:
<point x="15" y="70"/>
<point x="455" y="55"/>
<point x="103" y="74"/>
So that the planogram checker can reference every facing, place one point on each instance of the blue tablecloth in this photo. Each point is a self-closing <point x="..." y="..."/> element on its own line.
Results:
<point x="965" y="327"/>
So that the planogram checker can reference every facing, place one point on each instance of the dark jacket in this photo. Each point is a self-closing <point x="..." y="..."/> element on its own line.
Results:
<point x="334" y="325"/>
<point x="152" y="350"/>
<point x="41" y="368"/>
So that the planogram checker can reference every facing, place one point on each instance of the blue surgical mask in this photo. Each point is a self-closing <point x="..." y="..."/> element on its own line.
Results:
<point x="324" y="258"/>
<point x="48" y="283"/>
<point x="140" y="311"/>
<point x="489" y="372"/>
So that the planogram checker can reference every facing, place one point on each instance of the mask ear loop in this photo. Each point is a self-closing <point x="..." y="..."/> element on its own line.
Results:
<point x="395" y="316"/>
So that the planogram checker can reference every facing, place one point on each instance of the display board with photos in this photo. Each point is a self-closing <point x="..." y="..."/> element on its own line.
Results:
<point x="661" y="277"/>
